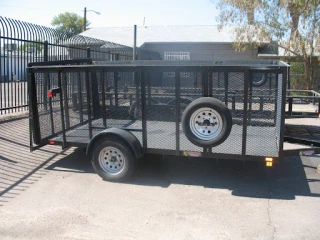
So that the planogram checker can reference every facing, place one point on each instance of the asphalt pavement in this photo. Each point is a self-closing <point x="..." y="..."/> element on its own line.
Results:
<point x="54" y="194"/>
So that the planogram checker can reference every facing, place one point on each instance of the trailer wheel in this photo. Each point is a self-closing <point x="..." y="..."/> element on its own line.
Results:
<point x="259" y="79"/>
<point x="206" y="122"/>
<point x="113" y="160"/>
<point x="135" y="111"/>
<point x="183" y="102"/>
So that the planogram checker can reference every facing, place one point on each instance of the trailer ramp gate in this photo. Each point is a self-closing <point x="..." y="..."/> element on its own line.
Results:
<point x="148" y="99"/>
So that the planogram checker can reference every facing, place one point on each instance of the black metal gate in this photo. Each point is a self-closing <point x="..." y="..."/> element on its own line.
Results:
<point x="22" y="43"/>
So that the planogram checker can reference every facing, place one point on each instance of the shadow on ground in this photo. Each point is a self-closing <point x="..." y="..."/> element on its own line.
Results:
<point x="19" y="168"/>
<point x="293" y="177"/>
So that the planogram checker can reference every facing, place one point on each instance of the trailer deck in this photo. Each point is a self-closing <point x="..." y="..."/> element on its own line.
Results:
<point x="158" y="131"/>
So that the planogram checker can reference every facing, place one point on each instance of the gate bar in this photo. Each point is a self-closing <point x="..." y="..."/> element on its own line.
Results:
<point x="245" y="111"/>
<point x="64" y="143"/>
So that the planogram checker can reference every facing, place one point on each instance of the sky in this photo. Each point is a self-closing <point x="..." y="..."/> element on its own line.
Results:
<point x="115" y="13"/>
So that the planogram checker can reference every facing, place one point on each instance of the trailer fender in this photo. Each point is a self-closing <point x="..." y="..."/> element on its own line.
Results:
<point x="112" y="133"/>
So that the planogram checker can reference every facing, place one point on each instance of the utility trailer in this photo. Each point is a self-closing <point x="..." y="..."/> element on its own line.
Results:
<point x="121" y="110"/>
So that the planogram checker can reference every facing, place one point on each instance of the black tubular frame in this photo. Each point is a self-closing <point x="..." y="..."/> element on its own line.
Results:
<point x="141" y="71"/>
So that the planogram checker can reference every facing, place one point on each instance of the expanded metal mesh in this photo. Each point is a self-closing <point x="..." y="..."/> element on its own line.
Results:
<point x="160" y="108"/>
<point x="278" y="109"/>
<point x="97" y="97"/>
<point x="228" y="87"/>
<point x="261" y="120"/>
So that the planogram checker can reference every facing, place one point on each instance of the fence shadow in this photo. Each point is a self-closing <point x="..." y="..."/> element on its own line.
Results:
<point x="19" y="168"/>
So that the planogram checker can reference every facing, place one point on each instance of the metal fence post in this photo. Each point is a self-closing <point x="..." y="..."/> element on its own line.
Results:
<point x="45" y="51"/>
<point x="46" y="76"/>
<point x="88" y="52"/>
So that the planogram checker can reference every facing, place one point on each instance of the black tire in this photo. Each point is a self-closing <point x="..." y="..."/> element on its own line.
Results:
<point x="206" y="122"/>
<point x="184" y="102"/>
<point x="135" y="111"/>
<point x="259" y="79"/>
<point x="116" y="168"/>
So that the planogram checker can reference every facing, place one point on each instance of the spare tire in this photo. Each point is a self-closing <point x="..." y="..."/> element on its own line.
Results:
<point x="206" y="122"/>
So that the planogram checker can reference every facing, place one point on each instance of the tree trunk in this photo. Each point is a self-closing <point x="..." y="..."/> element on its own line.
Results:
<point x="250" y="15"/>
<point x="307" y="73"/>
<point x="295" y="16"/>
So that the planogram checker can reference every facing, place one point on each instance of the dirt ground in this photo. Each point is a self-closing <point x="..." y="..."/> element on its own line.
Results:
<point x="54" y="194"/>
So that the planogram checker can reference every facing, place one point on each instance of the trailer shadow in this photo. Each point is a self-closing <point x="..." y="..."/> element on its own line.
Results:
<point x="292" y="177"/>
<point x="76" y="162"/>
<point x="295" y="176"/>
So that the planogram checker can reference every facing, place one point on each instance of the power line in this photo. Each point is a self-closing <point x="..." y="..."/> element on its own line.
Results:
<point x="41" y="9"/>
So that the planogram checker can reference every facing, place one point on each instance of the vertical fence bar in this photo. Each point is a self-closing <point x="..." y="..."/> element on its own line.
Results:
<point x="88" y="52"/>
<point x="45" y="80"/>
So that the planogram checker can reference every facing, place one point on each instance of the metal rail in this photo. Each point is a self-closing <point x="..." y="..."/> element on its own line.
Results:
<point x="303" y="97"/>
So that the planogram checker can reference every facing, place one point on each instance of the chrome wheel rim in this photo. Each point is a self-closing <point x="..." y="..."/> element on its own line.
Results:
<point x="206" y="124"/>
<point x="111" y="160"/>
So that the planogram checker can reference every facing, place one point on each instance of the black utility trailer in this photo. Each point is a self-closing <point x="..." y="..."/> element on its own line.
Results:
<point x="120" y="110"/>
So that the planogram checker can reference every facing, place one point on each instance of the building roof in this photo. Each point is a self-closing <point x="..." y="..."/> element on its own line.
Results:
<point x="146" y="34"/>
<point x="79" y="40"/>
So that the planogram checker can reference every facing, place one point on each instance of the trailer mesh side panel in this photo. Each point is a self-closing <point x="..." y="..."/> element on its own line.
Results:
<point x="91" y="99"/>
<point x="160" y="106"/>
<point x="228" y="87"/>
<point x="261" y="118"/>
<point x="44" y="82"/>
<point x="122" y="91"/>
<point x="191" y="89"/>
<point x="279" y="104"/>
